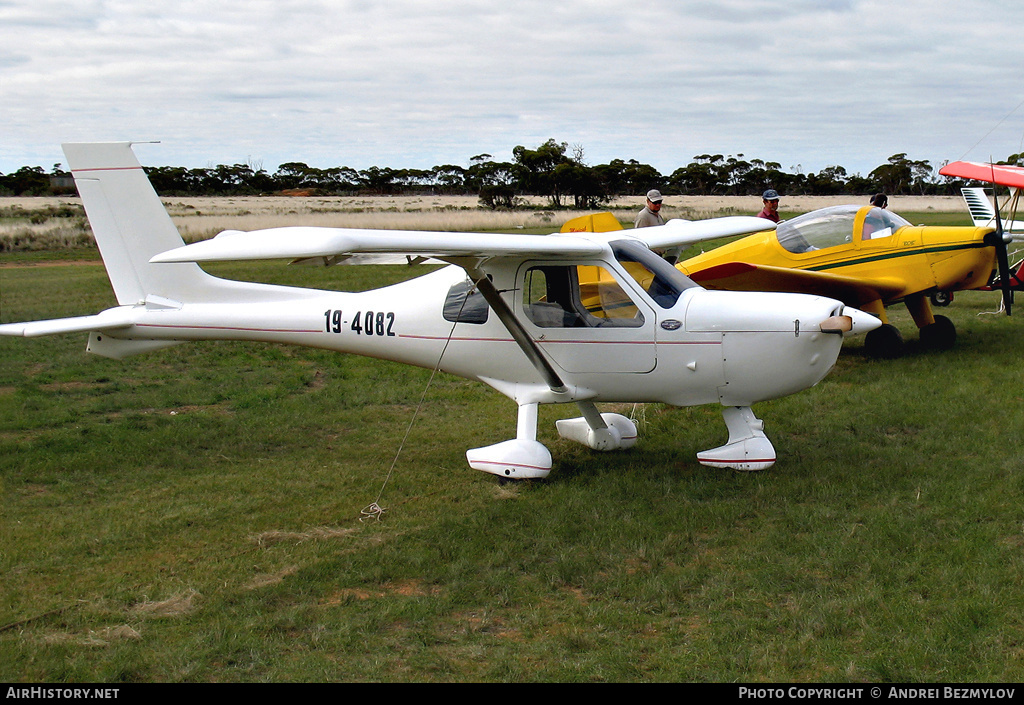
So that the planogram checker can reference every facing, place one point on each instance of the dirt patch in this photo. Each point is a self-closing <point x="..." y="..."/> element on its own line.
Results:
<point x="408" y="588"/>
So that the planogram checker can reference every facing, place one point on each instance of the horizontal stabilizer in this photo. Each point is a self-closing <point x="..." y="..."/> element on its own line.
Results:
<point x="112" y="319"/>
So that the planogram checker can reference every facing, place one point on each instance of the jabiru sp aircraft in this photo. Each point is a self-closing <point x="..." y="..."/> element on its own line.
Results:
<point x="578" y="318"/>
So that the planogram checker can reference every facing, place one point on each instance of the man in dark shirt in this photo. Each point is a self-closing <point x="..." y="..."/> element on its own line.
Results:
<point x="771" y="206"/>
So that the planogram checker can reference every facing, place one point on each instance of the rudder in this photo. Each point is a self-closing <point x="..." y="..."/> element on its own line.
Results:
<point x="130" y="223"/>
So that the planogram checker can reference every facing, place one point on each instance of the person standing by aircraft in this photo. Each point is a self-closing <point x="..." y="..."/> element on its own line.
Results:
<point x="879" y="200"/>
<point x="651" y="214"/>
<point x="771" y="205"/>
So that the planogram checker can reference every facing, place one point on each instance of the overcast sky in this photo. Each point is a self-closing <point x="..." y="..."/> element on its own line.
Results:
<point x="404" y="83"/>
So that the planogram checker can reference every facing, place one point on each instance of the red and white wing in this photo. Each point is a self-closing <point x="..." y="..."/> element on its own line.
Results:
<point x="999" y="174"/>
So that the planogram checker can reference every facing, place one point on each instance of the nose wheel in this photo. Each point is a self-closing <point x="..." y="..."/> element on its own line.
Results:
<point x="885" y="342"/>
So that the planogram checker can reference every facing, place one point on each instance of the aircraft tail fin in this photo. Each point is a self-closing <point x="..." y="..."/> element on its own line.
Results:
<point x="130" y="223"/>
<point x="983" y="214"/>
<point x="593" y="223"/>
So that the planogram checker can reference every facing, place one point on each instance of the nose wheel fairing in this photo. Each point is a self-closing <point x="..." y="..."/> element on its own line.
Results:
<point x="747" y="449"/>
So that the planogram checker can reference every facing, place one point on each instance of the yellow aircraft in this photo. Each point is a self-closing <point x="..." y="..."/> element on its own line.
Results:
<point x="866" y="257"/>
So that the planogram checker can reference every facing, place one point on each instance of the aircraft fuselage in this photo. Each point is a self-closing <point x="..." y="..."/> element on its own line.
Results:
<point x="732" y="348"/>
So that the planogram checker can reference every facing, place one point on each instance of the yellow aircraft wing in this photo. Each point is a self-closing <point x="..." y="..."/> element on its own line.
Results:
<point x="741" y="276"/>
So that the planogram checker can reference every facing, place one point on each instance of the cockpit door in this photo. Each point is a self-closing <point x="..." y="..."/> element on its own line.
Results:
<point x="585" y="319"/>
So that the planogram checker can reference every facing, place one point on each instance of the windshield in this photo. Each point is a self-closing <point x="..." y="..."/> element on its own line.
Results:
<point x="662" y="282"/>
<point x="833" y="226"/>
<point x="879" y="223"/>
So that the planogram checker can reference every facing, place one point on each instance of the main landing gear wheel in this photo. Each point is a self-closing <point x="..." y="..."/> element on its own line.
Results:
<point x="942" y="298"/>
<point x="939" y="335"/>
<point x="884" y="342"/>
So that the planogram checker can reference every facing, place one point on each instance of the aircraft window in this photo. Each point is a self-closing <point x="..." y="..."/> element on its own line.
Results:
<point x="464" y="304"/>
<point x="582" y="296"/>
<point x="881" y="223"/>
<point x="662" y="282"/>
<point x="818" y="229"/>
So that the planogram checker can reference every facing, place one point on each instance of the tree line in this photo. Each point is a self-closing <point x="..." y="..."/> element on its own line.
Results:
<point x="552" y="170"/>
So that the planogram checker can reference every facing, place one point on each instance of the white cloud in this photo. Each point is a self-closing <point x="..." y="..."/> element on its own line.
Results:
<point x="402" y="83"/>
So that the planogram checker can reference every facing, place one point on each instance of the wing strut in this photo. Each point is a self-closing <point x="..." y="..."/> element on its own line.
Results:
<point x="519" y="334"/>
<point x="596" y="421"/>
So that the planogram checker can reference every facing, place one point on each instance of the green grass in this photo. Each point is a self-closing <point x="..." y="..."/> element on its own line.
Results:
<point x="194" y="515"/>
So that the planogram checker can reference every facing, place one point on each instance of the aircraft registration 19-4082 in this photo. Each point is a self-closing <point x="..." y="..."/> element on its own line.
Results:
<point x="579" y="318"/>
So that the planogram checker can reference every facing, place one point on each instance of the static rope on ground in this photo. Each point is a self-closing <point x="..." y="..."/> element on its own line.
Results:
<point x="374" y="510"/>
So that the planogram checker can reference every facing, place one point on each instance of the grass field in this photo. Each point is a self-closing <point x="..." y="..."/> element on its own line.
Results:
<point x="194" y="515"/>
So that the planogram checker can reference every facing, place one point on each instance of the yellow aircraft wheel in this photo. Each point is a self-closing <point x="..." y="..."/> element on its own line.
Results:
<point x="939" y="335"/>
<point x="885" y="342"/>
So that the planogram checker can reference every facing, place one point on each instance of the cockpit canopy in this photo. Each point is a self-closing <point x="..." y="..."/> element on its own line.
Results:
<point x="838" y="225"/>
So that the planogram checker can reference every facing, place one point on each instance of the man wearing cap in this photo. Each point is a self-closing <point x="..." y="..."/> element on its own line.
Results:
<point x="651" y="214"/>
<point x="771" y="205"/>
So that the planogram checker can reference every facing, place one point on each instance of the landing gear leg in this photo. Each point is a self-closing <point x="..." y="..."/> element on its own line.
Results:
<point x="598" y="431"/>
<point x="523" y="458"/>
<point x="748" y="448"/>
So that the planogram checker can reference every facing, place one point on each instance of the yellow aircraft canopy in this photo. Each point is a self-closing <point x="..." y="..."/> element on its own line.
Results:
<point x="837" y="225"/>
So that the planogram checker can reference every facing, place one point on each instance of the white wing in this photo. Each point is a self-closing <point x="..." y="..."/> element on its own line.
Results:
<point x="328" y="244"/>
<point x="677" y="233"/>
<point x="314" y="242"/>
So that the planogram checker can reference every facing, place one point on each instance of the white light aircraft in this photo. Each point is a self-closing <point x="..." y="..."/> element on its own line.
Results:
<point x="580" y="317"/>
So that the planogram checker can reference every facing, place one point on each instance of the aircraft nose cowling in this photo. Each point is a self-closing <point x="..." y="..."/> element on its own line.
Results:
<point x="772" y="344"/>
<point x="750" y="311"/>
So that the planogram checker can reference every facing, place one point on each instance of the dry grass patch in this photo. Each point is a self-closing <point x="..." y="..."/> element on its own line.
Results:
<point x="406" y="588"/>
<point x="100" y="638"/>
<point x="320" y="533"/>
<point x="268" y="579"/>
<point x="177" y="606"/>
